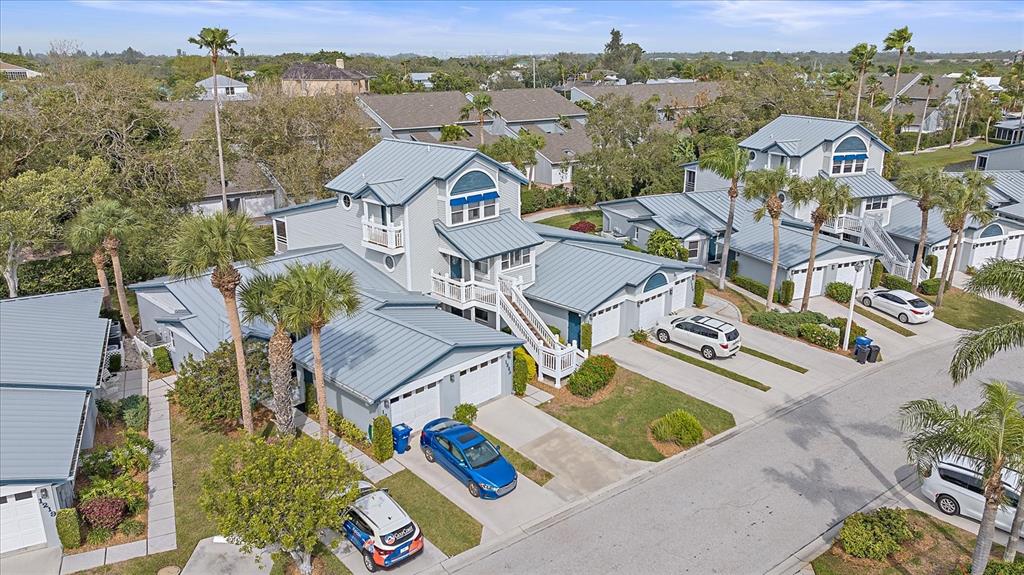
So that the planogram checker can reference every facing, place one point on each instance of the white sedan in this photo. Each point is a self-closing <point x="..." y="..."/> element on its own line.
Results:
<point x="901" y="304"/>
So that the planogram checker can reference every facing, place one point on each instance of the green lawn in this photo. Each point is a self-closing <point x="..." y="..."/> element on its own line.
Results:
<point x="968" y="311"/>
<point x="620" y="420"/>
<point x="771" y="358"/>
<point x="191" y="450"/>
<point x="943" y="157"/>
<point x="523" y="464"/>
<point x="710" y="366"/>
<point x="566" y="220"/>
<point x="879" y="319"/>
<point x="446" y="525"/>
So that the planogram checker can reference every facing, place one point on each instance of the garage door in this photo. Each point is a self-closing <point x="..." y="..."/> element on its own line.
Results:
<point x="847" y="273"/>
<point x="21" y="522"/>
<point x="416" y="407"/>
<point x="680" y="294"/>
<point x="816" y="282"/>
<point x="1011" y="250"/>
<point x="652" y="309"/>
<point x="605" y="324"/>
<point x="480" y="383"/>
<point x="984" y="252"/>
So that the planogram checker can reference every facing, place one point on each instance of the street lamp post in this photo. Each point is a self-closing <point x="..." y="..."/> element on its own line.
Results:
<point x="849" y="314"/>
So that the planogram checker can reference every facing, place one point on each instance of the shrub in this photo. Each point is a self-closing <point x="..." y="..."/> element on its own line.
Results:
<point x="122" y="487"/>
<point x="732" y="269"/>
<point x="755" y="287"/>
<point x="114" y="363"/>
<point x="929" y="286"/>
<point x="855" y="331"/>
<point x="69" y="529"/>
<point x="132" y="527"/>
<point x="877" y="270"/>
<point x="786" y="323"/>
<point x="586" y="336"/>
<point x="345" y="429"/>
<point x="383" y="439"/>
<point x="592" y="376"/>
<point x="133" y="455"/>
<point x="698" y="292"/>
<point x="639" y="335"/>
<point x="103" y="511"/>
<point x="785" y="295"/>
<point x="875" y="535"/>
<point x="99" y="536"/>
<point x="162" y="360"/>
<point x="465" y="412"/>
<point x="678" y="427"/>
<point x="534" y="198"/>
<point x="98" y="464"/>
<point x="664" y="244"/>
<point x="76" y="271"/>
<point x="891" y="281"/>
<point x="584" y="226"/>
<point x="839" y="291"/>
<point x="971" y="270"/>
<point x="135" y="411"/>
<point x="207" y="390"/>
<point x="632" y="247"/>
<point x="109" y="411"/>
<point x="1000" y="568"/>
<point x="520" y="372"/>
<point x="819" y="335"/>
<point x="932" y="261"/>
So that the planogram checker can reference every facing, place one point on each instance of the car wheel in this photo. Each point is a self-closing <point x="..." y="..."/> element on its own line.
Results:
<point x="429" y="454"/>
<point x="663" y="336"/>
<point x="708" y="352"/>
<point x="474" y="489"/>
<point x="368" y="563"/>
<point x="866" y="301"/>
<point x="947" y="505"/>
<point x="903" y="318"/>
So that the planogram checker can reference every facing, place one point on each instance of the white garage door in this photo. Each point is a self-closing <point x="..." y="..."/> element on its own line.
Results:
<point x="21" y="522"/>
<point x="680" y="294"/>
<point x="1011" y="250"/>
<point x="651" y="310"/>
<point x="604" y="324"/>
<point x="416" y="407"/>
<point x="816" y="282"/>
<point x="847" y="273"/>
<point x="481" y="382"/>
<point x="985" y="251"/>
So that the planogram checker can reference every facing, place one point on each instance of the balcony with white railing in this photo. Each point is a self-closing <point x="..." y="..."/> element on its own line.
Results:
<point x="844" y="224"/>
<point x="463" y="293"/>
<point x="386" y="238"/>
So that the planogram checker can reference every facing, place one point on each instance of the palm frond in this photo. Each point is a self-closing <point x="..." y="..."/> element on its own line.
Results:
<point x="974" y="349"/>
<point x="1002" y="277"/>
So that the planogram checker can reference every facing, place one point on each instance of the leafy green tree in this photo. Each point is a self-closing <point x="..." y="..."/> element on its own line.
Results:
<point x="840" y="82"/>
<point x="445" y="82"/>
<point x="285" y="493"/>
<point x="260" y="299"/>
<point x="730" y="162"/>
<point x="312" y="296"/>
<point x="765" y="186"/>
<point x="831" y="198"/>
<point x="520" y="151"/>
<point x="929" y="81"/>
<point x="992" y="434"/>
<point x="453" y="133"/>
<point x="861" y="58"/>
<point x="899" y="40"/>
<point x="218" y="242"/>
<point x="217" y="41"/>
<point x="958" y="203"/>
<point x="480" y="106"/>
<point x="207" y="389"/>
<point x="1001" y="277"/>
<point x="924" y="186"/>
<point x="664" y="244"/>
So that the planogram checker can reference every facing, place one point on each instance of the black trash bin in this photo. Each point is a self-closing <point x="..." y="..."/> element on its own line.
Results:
<point x="861" y="353"/>
<point x="873" y="353"/>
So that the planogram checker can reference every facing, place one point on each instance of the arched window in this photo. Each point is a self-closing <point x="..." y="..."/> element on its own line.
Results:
<point x="473" y="197"/>
<point x="655" y="282"/>
<point x="992" y="231"/>
<point x="473" y="182"/>
<point x="850" y="156"/>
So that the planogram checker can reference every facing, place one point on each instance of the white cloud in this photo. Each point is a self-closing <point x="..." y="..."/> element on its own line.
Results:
<point x="788" y="16"/>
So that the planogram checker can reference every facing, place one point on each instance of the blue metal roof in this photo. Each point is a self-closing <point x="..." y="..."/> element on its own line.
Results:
<point x="755" y="240"/>
<point x="870" y="184"/>
<point x="52" y="340"/>
<point x="798" y="135"/>
<point x="552" y="233"/>
<point x="39" y="431"/>
<point x="905" y="222"/>
<point x="481" y="240"/>
<point x="308" y="206"/>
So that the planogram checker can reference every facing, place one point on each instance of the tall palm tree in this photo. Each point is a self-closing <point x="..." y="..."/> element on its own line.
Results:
<point x="832" y="198"/>
<point x="963" y="92"/>
<point x="929" y="81"/>
<point x="766" y="186"/>
<point x="217" y="41"/>
<point x="924" y="186"/>
<point x="992" y="434"/>
<point x="480" y="105"/>
<point x="313" y="295"/>
<point x="729" y="161"/>
<point x="959" y="201"/>
<point x="840" y="82"/>
<point x="861" y="58"/>
<point x="104" y="225"/>
<point x="1005" y="278"/>
<point x="260" y="299"/>
<point x="898" y="39"/>
<point x="873" y="89"/>
<point x="217" y="242"/>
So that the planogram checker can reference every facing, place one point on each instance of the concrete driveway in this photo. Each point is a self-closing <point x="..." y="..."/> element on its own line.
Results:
<point x="580" y="464"/>
<point x="37" y="562"/>
<point x="214" y="556"/>
<point x="347" y="553"/>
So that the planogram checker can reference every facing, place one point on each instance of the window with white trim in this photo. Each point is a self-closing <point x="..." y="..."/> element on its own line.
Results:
<point x="850" y="156"/>
<point x="229" y="91"/>
<point x="482" y="267"/>
<point x="515" y="258"/>
<point x="474" y="197"/>
<point x="877" y="203"/>
<point x="692" y="248"/>
<point x="281" y="234"/>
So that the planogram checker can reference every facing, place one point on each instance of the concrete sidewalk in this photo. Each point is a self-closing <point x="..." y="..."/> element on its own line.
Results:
<point x="552" y="212"/>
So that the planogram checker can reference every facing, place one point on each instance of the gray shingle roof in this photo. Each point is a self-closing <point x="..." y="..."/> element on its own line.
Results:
<point x="52" y="340"/>
<point x="755" y="240"/>
<point x="523" y="104"/>
<point x="39" y="433"/>
<point x="870" y="184"/>
<point x="396" y="170"/>
<point x="669" y="95"/>
<point x="488" y="238"/>
<point x="567" y="146"/>
<point x="417" y="109"/>
<point x="580" y="276"/>
<point x="801" y="134"/>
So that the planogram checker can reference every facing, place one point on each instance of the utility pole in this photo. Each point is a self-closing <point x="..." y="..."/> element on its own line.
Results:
<point x="534" y="71"/>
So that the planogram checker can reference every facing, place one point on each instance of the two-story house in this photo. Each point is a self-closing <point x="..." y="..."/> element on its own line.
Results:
<point x="228" y="89"/>
<point x="311" y="79"/>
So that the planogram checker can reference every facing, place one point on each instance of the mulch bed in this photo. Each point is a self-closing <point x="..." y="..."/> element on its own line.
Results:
<point x="565" y="397"/>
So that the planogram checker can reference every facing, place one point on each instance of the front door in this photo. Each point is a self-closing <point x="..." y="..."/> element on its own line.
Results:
<point x="574" y="328"/>
<point x="456" y="267"/>
<point x="712" y="250"/>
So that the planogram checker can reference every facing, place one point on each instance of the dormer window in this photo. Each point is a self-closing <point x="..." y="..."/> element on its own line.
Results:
<point x="473" y="197"/>
<point x="849" y="157"/>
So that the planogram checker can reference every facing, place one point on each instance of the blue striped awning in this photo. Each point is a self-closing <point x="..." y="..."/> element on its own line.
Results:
<point x="849" y="157"/>
<point x="471" y="199"/>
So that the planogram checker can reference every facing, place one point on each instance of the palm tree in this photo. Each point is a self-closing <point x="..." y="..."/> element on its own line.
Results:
<point x="766" y="186"/>
<point x="874" y="88"/>
<point x="960" y="200"/>
<point x="898" y="39"/>
<point x="992" y="434"/>
<point x="832" y="198"/>
<point x="929" y="81"/>
<point x="313" y="294"/>
<point x="480" y="105"/>
<point x="217" y="242"/>
<point x="104" y="225"/>
<point x="217" y="40"/>
<point x="729" y="161"/>
<point x="924" y="186"/>
<point x="963" y="89"/>
<point x="861" y="57"/>
<point x="840" y="82"/>
<point x="1005" y="278"/>
<point x="261" y="300"/>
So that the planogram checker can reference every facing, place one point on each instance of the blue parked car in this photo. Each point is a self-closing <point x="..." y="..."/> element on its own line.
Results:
<point x="467" y="455"/>
<point x="382" y="531"/>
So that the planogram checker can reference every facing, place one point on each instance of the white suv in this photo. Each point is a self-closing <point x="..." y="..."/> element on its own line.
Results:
<point x="956" y="488"/>
<point x="711" y="336"/>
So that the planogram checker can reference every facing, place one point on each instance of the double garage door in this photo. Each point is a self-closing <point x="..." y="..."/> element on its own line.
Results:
<point x="416" y="407"/>
<point x="21" y="522"/>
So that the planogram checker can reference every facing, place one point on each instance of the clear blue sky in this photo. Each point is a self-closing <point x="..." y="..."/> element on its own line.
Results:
<point x="466" y="27"/>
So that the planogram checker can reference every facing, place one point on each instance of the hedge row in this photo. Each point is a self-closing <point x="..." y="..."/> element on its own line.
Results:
<point x="534" y="198"/>
<point x="929" y="286"/>
<point x="839" y="291"/>
<point x="592" y="376"/>
<point x="820" y="335"/>
<point x="891" y="281"/>
<point x="785" y="323"/>
<point x="757" y="288"/>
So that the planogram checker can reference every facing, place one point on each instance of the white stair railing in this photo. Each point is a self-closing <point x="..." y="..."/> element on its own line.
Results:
<point x="893" y="257"/>
<point x="509" y="287"/>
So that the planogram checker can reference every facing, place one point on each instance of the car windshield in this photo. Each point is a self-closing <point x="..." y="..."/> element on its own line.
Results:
<point x="918" y="303"/>
<point x="481" y="455"/>
<point x="732" y="335"/>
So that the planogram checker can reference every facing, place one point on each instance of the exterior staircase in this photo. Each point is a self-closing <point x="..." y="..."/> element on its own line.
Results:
<point x="893" y="258"/>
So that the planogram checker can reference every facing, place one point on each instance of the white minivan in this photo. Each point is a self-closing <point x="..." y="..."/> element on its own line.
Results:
<point x="955" y="486"/>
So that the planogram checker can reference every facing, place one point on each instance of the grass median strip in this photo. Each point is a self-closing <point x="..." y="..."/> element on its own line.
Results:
<point x="710" y="367"/>
<point x="523" y="464"/>
<point x="883" y="322"/>
<point x="773" y="359"/>
<point x="444" y="523"/>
